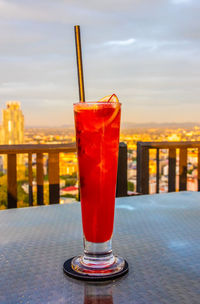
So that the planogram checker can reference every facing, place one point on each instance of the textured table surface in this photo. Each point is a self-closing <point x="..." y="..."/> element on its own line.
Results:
<point x="159" y="235"/>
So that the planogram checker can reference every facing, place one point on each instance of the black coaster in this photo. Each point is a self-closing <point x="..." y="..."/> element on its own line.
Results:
<point x="73" y="274"/>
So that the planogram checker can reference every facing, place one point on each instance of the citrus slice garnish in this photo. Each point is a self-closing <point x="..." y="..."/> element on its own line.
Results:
<point x="109" y="98"/>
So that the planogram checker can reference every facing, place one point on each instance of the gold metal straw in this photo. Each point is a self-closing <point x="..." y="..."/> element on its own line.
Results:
<point x="79" y="63"/>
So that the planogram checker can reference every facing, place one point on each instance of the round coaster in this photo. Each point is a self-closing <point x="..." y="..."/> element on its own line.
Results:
<point x="85" y="277"/>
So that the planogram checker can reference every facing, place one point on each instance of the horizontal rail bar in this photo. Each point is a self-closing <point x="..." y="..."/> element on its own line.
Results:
<point x="167" y="144"/>
<point x="43" y="148"/>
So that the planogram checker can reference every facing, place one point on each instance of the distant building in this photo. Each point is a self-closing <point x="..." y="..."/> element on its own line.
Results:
<point x="12" y="124"/>
<point x="12" y="132"/>
<point x="68" y="163"/>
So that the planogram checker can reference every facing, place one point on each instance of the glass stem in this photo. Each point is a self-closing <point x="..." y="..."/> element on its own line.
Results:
<point x="98" y="254"/>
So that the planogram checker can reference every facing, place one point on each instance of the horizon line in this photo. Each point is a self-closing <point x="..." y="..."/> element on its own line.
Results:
<point x="123" y="123"/>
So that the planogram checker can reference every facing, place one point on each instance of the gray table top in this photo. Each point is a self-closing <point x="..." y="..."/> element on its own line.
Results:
<point x="159" y="235"/>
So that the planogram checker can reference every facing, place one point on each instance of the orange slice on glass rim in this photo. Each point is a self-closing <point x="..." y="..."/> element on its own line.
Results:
<point x="109" y="98"/>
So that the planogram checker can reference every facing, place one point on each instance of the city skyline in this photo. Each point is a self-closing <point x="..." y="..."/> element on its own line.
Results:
<point x="144" y="51"/>
<point x="13" y="132"/>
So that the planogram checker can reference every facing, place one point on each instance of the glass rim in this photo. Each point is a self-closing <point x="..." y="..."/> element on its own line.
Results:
<point x="97" y="102"/>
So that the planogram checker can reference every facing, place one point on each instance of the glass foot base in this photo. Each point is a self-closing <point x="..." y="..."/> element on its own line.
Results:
<point x="97" y="266"/>
<point x="95" y="276"/>
<point x="97" y="263"/>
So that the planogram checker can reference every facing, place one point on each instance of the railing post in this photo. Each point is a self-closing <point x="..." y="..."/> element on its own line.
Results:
<point x="122" y="171"/>
<point x="40" y="179"/>
<point x="138" y="167"/>
<point x="12" y="180"/>
<point x="172" y="170"/>
<point x="53" y="171"/>
<point x="183" y="169"/>
<point x="198" y="164"/>
<point x="142" y="169"/>
<point x="157" y="171"/>
<point x="30" y="179"/>
<point x="145" y="170"/>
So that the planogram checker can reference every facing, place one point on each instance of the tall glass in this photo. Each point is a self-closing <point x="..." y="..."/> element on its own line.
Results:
<point x="97" y="138"/>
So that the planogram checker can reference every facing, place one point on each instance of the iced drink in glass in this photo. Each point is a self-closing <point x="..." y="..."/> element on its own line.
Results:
<point x="97" y="137"/>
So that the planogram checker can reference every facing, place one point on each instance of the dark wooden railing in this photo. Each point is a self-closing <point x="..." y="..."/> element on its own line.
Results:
<point x="122" y="171"/>
<point x="143" y="164"/>
<point x="53" y="151"/>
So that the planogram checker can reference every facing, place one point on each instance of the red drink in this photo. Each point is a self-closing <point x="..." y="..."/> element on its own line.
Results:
<point x="97" y="137"/>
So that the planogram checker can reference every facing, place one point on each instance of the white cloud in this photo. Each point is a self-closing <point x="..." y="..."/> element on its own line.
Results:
<point x="180" y="1"/>
<point x="121" y="42"/>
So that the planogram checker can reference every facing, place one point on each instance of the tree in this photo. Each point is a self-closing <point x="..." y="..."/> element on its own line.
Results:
<point x="130" y="186"/>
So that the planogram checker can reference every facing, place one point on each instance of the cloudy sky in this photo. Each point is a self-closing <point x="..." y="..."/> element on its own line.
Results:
<point x="145" y="51"/>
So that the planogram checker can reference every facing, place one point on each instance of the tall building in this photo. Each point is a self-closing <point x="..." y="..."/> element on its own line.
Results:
<point x="12" y="132"/>
<point x="12" y="124"/>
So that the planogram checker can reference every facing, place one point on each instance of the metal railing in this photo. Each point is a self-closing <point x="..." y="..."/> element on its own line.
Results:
<point x="53" y="151"/>
<point x="143" y="164"/>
